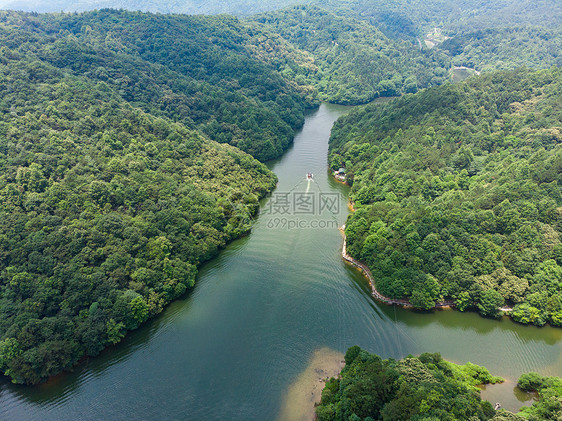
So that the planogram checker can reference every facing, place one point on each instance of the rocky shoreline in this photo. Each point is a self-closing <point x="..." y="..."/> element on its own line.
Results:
<point x="380" y="297"/>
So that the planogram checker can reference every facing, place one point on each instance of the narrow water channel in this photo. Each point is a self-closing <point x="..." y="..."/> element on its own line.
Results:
<point x="260" y="313"/>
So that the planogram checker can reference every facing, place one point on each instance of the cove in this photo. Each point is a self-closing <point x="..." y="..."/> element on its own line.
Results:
<point x="259" y="314"/>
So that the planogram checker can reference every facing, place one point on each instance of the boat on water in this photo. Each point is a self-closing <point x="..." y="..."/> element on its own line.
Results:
<point x="309" y="176"/>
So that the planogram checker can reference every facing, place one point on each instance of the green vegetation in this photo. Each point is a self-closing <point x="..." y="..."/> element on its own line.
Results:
<point x="357" y="51"/>
<point x="208" y="73"/>
<point x="414" y="388"/>
<point x="191" y="7"/>
<point x="108" y="209"/>
<point x="549" y="407"/>
<point x="458" y="194"/>
<point x="425" y="388"/>
<point x="355" y="62"/>
<point x="414" y="18"/>
<point x="397" y="18"/>
<point x="506" y="48"/>
<point x="123" y="165"/>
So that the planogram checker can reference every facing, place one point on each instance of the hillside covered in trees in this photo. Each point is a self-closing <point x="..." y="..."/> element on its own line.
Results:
<point x="111" y="192"/>
<point x="191" y="7"/>
<point x="408" y="19"/>
<point x="506" y="48"/>
<point x="357" y="51"/>
<point x="356" y="62"/>
<point x="399" y="17"/>
<point x="425" y="388"/>
<point x="458" y="193"/>
<point x="123" y="165"/>
<point x="208" y="73"/>
<point x="358" y="57"/>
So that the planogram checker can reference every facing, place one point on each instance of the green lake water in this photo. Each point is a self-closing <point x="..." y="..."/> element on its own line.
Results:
<point x="232" y="348"/>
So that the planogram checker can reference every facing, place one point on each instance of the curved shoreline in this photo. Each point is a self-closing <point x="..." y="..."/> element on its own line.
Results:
<point x="387" y="300"/>
<point x="375" y="293"/>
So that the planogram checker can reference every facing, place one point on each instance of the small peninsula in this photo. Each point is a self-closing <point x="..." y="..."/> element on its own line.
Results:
<point x="425" y="388"/>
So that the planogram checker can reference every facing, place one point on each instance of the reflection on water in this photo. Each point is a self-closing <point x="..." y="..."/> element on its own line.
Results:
<point x="234" y="346"/>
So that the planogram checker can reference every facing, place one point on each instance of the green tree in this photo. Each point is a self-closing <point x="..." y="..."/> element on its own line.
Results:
<point x="115" y="331"/>
<point x="490" y="302"/>
<point x="139" y="309"/>
<point x="463" y="301"/>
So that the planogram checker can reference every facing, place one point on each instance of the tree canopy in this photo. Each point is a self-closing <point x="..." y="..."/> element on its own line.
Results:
<point x="425" y="388"/>
<point x="127" y="146"/>
<point x="414" y="388"/>
<point x="458" y="193"/>
<point x="506" y="48"/>
<point x="208" y="73"/>
<point x="356" y="62"/>
<point x="108" y="208"/>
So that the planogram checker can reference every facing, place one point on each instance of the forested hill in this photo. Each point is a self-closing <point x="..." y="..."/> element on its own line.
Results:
<point x="351" y="52"/>
<point x="122" y="167"/>
<point x="458" y="192"/>
<point x="356" y="62"/>
<point x="210" y="73"/>
<point x="359" y="56"/>
<point x="506" y="48"/>
<point x="107" y="209"/>
<point x="411" y="18"/>
<point x="192" y="7"/>
<point x="398" y="17"/>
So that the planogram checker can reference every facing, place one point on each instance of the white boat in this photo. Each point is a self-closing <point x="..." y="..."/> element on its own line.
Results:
<point x="309" y="176"/>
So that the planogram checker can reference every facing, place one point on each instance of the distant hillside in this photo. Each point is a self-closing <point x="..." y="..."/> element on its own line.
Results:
<point x="363" y="49"/>
<point x="356" y="62"/>
<point x="408" y="18"/>
<point x="506" y="48"/>
<point x="192" y="7"/>
<point x="397" y="18"/>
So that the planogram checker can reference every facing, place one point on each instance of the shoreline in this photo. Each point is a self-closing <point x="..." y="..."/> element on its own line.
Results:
<point x="374" y="292"/>
<point x="302" y="396"/>
<point x="362" y="267"/>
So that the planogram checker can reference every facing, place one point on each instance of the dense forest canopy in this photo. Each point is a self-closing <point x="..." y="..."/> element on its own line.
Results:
<point x="110" y="197"/>
<point x="410" y="18"/>
<point x="127" y="146"/>
<point x="506" y="48"/>
<point x="357" y="59"/>
<point x="425" y="388"/>
<point x="359" y="49"/>
<point x="191" y="7"/>
<point x="458" y="192"/>
<point x="209" y="73"/>
<point x="356" y="62"/>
